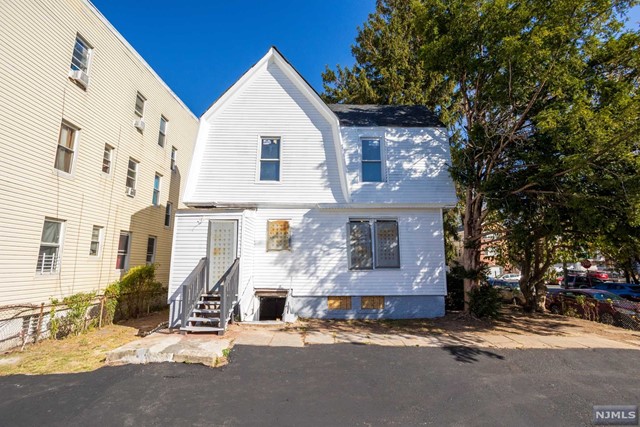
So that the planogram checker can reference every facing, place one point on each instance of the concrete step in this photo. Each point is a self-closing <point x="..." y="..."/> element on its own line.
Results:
<point x="201" y="329"/>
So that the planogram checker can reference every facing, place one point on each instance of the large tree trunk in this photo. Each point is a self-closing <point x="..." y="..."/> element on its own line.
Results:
<point x="472" y="224"/>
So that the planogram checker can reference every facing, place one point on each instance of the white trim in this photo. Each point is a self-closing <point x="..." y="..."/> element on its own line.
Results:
<point x="383" y="159"/>
<point x="127" y="260"/>
<point x="76" y="145"/>
<point x="101" y="233"/>
<point x="155" y="250"/>
<point x="153" y="191"/>
<point x="126" y="44"/>
<point x="259" y="161"/>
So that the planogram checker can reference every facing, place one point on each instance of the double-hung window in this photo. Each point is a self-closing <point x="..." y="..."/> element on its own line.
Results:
<point x="50" y="246"/>
<point x="167" y="215"/>
<point x="66" y="148"/>
<point x="162" y="134"/>
<point x="81" y="54"/>
<point x="156" y="190"/>
<point x="96" y="241"/>
<point x="107" y="158"/>
<point x="132" y="176"/>
<point x="270" y="159"/>
<point x="174" y="158"/>
<point x="140" y="101"/>
<point x="373" y="244"/>
<point x="372" y="160"/>
<point x="151" y="250"/>
<point x="124" y="243"/>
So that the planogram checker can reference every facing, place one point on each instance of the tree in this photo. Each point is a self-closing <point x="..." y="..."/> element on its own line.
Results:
<point x="501" y="75"/>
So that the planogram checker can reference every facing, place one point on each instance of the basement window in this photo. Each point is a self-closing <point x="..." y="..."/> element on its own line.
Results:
<point x="339" y="303"/>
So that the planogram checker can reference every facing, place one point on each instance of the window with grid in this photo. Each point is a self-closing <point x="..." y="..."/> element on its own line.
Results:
<point x="96" y="240"/>
<point x="156" y="190"/>
<point x="167" y="215"/>
<point x="151" y="250"/>
<point x="372" y="303"/>
<point x="66" y="148"/>
<point x="122" y="260"/>
<point x="371" y="160"/>
<point x="132" y="174"/>
<point x="339" y="303"/>
<point x="373" y="244"/>
<point x="270" y="159"/>
<point x="174" y="158"/>
<point x="278" y="235"/>
<point x="50" y="246"/>
<point x="107" y="158"/>
<point x="81" y="54"/>
<point x="162" y="134"/>
<point x="140" y="101"/>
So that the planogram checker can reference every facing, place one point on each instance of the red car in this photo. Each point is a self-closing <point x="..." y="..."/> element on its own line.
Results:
<point x="601" y="275"/>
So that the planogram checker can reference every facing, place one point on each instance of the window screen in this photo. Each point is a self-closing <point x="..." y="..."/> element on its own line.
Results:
<point x="278" y="235"/>
<point x="360" y="245"/>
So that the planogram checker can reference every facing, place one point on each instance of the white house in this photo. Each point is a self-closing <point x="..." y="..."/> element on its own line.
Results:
<point x="331" y="211"/>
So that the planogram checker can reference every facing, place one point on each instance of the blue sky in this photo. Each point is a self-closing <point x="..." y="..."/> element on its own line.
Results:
<point x="200" y="48"/>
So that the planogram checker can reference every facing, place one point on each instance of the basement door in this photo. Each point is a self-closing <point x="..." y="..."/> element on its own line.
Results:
<point x="223" y="248"/>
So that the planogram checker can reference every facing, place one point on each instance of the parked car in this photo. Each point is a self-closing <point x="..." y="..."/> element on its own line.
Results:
<point x="625" y="290"/>
<point x="510" y="291"/>
<point x="595" y="304"/>
<point x="510" y="277"/>
<point x="579" y="281"/>
<point x="596" y="274"/>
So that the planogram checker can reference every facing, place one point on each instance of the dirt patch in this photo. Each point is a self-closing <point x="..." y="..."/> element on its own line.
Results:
<point x="81" y="353"/>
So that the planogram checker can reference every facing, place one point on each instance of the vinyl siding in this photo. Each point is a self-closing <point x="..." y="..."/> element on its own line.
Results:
<point x="317" y="263"/>
<point x="268" y="105"/>
<point x="415" y="166"/>
<point x="37" y="40"/>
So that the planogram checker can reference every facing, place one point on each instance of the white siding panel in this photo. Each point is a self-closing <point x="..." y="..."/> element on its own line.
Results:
<point x="317" y="263"/>
<point x="416" y="166"/>
<point x="269" y="105"/>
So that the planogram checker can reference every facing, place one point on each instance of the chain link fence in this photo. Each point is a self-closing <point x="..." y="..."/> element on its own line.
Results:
<point x="24" y="324"/>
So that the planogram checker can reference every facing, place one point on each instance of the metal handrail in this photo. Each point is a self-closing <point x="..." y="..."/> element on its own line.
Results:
<point x="229" y="292"/>
<point x="192" y="289"/>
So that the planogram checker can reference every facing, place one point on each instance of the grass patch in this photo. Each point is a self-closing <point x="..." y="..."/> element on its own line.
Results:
<point x="81" y="353"/>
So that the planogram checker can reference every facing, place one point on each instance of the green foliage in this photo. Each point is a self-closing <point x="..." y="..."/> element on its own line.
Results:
<point x="111" y="295"/>
<point x="134" y="292"/>
<point x="74" y="317"/>
<point x="485" y="302"/>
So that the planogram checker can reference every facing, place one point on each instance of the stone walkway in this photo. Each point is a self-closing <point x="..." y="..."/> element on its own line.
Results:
<point x="167" y="346"/>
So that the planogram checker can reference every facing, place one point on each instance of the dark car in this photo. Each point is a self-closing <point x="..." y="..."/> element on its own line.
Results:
<point x="625" y="290"/>
<point x="510" y="291"/>
<point x="593" y="304"/>
<point x="580" y="281"/>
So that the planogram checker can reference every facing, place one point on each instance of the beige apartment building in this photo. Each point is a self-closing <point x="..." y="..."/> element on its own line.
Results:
<point x="95" y="150"/>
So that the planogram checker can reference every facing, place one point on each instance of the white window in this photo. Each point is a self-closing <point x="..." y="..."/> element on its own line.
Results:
<point x="96" y="241"/>
<point x="50" y="246"/>
<point x="162" y="135"/>
<point x="124" y="243"/>
<point x="151" y="250"/>
<point x="167" y="215"/>
<point x="372" y="160"/>
<point x="270" y="159"/>
<point x="140" y="101"/>
<point x="107" y="158"/>
<point x="132" y="175"/>
<point x="373" y="244"/>
<point x="155" y="200"/>
<point x="174" y="158"/>
<point x="66" y="148"/>
<point x="81" y="55"/>
<point x="278" y="235"/>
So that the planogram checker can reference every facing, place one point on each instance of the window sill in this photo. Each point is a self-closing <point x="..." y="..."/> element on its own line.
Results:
<point x="63" y="174"/>
<point x="269" y="182"/>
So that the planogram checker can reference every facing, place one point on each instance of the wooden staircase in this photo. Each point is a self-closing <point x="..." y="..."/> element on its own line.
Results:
<point x="205" y="317"/>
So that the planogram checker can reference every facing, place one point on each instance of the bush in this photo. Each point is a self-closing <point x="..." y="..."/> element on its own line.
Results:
<point x="133" y="294"/>
<point x="455" y="292"/>
<point x="74" y="319"/>
<point x="485" y="302"/>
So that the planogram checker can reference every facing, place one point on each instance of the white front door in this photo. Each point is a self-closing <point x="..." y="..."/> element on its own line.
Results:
<point x="223" y="248"/>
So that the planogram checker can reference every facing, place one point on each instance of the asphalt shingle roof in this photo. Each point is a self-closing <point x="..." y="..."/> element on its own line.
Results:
<point x="385" y="115"/>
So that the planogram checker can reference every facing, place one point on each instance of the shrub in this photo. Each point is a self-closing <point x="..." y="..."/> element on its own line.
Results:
<point x="74" y="319"/>
<point x="455" y="292"/>
<point x="485" y="302"/>
<point x="133" y="293"/>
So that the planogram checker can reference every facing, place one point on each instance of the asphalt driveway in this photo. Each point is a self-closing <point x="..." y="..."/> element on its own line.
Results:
<point x="336" y="385"/>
